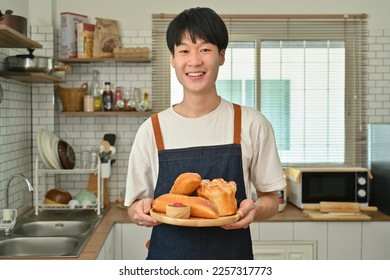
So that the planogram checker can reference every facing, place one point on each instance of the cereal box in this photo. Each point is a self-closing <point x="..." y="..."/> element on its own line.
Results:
<point x="85" y="33"/>
<point x="69" y="22"/>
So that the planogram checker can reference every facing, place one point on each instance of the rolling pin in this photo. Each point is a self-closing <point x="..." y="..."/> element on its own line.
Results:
<point x="340" y="207"/>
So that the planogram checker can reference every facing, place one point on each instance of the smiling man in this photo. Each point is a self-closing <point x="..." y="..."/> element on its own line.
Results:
<point x="207" y="135"/>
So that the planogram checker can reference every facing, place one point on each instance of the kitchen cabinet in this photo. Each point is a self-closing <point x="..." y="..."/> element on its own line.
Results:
<point x="284" y="250"/>
<point x="366" y="240"/>
<point x="134" y="238"/>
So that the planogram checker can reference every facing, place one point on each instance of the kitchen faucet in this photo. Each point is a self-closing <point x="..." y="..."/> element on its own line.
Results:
<point x="29" y="186"/>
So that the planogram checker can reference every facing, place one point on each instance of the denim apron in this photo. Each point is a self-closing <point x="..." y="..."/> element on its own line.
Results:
<point x="200" y="243"/>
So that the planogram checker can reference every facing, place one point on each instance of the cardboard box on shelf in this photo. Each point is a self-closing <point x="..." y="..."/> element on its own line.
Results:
<point x="69" y="22"/>
<point x="85" y="33"/>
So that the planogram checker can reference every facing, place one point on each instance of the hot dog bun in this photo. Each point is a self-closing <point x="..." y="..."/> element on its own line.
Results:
<point x="200" y="207"/>
<point x="186" y="183"/>
<point x="221" y="193"/>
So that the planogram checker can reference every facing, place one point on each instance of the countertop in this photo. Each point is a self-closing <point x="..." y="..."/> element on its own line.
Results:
<point x="114" y="214"/>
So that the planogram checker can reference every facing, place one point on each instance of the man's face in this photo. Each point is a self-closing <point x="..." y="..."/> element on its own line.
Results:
<point x="197" y="65"/>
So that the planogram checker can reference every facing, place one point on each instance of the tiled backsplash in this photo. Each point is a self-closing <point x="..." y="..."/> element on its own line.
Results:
<point x="27" y="108"/>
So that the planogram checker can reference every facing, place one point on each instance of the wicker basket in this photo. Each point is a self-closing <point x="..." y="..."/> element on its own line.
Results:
<point x="72" y="99"/>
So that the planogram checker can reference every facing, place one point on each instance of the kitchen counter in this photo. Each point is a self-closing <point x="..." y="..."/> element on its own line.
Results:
<point x="115" y="214"/>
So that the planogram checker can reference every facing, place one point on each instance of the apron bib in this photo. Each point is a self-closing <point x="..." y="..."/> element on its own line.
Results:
<point x="200" y="243"/>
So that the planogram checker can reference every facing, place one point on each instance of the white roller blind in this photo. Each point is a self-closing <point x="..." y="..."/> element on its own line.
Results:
<point x="305" y="73"/>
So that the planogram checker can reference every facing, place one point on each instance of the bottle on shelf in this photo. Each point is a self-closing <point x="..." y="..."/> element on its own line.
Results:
<point x="108" y="97"/>
<point x="119" y="104"/>
<point x="96" y="91"/>
<point x="147" y="100"/>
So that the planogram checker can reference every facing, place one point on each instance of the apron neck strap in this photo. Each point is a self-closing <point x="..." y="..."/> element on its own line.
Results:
<point x="236" y="136"/>
<point x="237" y="124"/>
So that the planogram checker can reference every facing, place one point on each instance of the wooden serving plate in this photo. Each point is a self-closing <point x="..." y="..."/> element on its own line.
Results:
<point x="193" y="221"/>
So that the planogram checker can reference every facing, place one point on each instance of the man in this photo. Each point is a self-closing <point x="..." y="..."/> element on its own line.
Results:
<point x="207" y="135"/>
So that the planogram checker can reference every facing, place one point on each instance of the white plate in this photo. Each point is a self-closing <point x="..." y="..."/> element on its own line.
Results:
<point x="47" y="139"/>
<point x="41" y="150"/>
<point x="55" y="157"/>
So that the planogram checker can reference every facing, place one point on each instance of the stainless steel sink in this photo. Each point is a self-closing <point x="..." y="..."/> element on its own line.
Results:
<point x="49" y="234"/>
<point x="38" y="246"/>
<point x="53" y="228"/>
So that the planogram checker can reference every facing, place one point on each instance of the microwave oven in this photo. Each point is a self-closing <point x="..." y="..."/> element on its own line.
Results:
<point x="310" y="186"/>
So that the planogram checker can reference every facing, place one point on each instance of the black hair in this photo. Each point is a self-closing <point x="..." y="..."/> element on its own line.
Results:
<point x="200" y="23"/>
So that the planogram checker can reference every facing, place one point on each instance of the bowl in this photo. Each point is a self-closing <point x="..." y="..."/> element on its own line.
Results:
<point x="66" y="154"/>
<point x="57" y="196"/>
<point x="83" y="196"/>
<point x="178" y="211"/>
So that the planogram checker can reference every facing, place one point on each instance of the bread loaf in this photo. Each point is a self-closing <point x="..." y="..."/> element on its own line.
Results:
<point x="200" y="207"/>
<point x="221" y="193"/>
<point x="186" y="183"/>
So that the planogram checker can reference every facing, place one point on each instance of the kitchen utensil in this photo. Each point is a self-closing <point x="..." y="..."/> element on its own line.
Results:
<point x="17" y="23"/>
<point x="57" y="196"/>
<point x="194" y="222"/>
<point x="31" y="63"/>
<point x="110" y="137"/>
<point x="67" y="155"/>
<point x="339" y="207"/>
<point x="321" y="216"/>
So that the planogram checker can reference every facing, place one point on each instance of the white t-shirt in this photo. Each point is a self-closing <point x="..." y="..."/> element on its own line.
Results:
<point x="261" y="162"/>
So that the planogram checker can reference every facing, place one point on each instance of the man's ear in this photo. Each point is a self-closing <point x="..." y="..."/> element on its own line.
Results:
<point x="222" y="57"/>
<point x="172" y="61"/>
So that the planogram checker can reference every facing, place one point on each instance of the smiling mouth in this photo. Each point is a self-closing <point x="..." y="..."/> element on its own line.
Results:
<point x="196" y="74"/>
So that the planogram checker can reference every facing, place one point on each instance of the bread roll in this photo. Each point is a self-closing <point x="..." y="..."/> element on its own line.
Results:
<point x="200" y="207"/>
<point x="186" y="183"/>
<point x="221" y="193"/>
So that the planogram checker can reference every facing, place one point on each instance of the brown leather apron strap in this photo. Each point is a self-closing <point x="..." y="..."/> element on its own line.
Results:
<point x="157" y="132"/>
<point x="237" y="124"/>
<point x="237" y="128"/>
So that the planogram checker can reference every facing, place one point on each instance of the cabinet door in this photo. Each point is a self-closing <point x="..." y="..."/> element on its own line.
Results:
<point x="134" y="238"/>
<point x="107" y="251"/>
<point x="376" y="245"/>
<point x="344" y="240"/>
<point x="284" y="250"/>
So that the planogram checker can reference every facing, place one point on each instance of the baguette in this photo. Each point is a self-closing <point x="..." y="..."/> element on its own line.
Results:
<point x="200" y="207"/>
<point x="186" y="183"/>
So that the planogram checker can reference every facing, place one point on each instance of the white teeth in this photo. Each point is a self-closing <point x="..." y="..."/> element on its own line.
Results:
<point x="195" y="74"/>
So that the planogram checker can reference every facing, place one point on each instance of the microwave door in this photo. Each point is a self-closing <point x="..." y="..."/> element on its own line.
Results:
<point x="328" y="186"/>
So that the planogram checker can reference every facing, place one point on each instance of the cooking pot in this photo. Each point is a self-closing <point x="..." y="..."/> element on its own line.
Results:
<point x="31" y="63"/>
<point x="17" y="23"/>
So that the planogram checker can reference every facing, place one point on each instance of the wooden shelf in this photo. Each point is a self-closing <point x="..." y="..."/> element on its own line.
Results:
<point x="31" y="77"/>
<point x="9" y="38"/>
<point x="106" y="114"/>
<point x="107" y="59"/>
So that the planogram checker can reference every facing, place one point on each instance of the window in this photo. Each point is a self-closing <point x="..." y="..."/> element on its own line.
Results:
<point x="306" y="76"/>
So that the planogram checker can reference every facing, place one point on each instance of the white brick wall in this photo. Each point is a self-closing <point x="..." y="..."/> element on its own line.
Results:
<point x="379" y="76"/>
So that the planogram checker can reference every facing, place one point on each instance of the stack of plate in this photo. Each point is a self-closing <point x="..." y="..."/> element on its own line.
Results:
<point x="48" y="149"/>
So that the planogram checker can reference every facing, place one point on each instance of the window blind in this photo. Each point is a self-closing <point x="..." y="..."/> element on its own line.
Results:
<point x="305" y="73"/>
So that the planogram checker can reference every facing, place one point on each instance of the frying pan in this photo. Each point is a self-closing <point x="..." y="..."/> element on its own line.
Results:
<point x="31" y="63"/>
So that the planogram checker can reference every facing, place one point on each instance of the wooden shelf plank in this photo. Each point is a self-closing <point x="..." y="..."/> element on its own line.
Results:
<point x="9" y="38"/>
<point x="105" y="114"/>
<point x="108" y="59"/>
<point x="31" y="77"/>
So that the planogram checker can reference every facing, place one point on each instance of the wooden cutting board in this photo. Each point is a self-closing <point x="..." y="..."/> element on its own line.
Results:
<point x="193" y="221"/>
<point x="321" y="216"/>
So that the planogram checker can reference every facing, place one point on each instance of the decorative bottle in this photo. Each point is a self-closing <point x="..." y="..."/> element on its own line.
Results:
<point x="108" y="97"/>
<point x="96" y="91"/>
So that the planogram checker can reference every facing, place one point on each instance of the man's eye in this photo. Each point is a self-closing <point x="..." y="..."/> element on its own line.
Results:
<point x="205" y="50"/>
